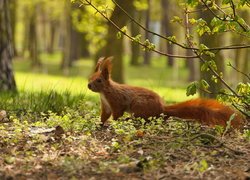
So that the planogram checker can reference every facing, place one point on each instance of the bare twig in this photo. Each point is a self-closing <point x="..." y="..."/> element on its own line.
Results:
<point x="233" y="8"/>
<point x="236" y="107"/>
<point x="248" y="76"/>
<point x="221" y="143"/>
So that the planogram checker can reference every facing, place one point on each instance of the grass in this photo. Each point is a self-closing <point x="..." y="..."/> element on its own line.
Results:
<point x="48" y="88"/>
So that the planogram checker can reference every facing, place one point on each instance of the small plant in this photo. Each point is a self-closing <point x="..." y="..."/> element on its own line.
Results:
<point x="246" y="134"/>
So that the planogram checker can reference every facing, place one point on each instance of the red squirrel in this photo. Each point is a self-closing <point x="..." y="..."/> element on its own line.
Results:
<point x="141" y="102"/>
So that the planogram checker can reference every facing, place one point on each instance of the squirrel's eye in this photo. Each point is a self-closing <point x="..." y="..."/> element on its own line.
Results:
<point x="99" y="80"/>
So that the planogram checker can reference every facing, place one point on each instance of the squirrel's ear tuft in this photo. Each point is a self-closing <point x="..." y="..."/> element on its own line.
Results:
<point x="98" y="64"/>
<point x="106" y="67"/>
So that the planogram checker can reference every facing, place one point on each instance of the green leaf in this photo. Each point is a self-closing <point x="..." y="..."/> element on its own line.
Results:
<point x="205" y="66"/>
<point x="213" y="65"/>
<point x="119" y="35"/>
<point x="204" y="84"/>
<point x="192" y="21"/>
<point x="124" y="29"/>
<point x="225" y="1"/>
<point x="202" y="47"/>
<point x="203" y="165"/>
<point x="177" y="19"/>
<point x="192" y="2"/>
<point x="172" y="39"/>
<point x="209" y="53"/>
<point x="192" y="88"/>
<point x="137" y="38"/>
<point x="140" y="5"/>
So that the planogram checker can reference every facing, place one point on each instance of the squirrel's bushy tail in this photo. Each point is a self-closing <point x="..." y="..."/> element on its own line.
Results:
<point x="206" y="111"/>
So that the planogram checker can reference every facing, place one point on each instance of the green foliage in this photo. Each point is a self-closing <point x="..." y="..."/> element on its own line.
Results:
<point x="124" y="30"/>
<point x="172" y="39"/>
<point x="192" y="88"/>
<point x="140" y="5"/>
<point x="209" y="64"/>
<point x="148" y="45"/>
<point x="201" y="166"/>
<point x="192" y="3"/>
<point x="242" y="101"/>
<point x="202" y="27"/>
<point x="86" y="20"/>
<point x="83" y="147"/>
<point x="137" y="38"/>
<point x="81" y="120"/>
<point x="246" y="134"/>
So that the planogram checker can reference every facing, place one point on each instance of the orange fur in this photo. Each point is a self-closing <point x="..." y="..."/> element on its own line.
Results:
<point x="119" y="98"/>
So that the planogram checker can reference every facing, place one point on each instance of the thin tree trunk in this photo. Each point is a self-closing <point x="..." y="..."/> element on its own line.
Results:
<point x="7" y="80"/>
<point x="13" y="7"/>
<point x="33" y="39"/>
<point x="67" y="38"/>
<point x="52" y="29"/>
<point x="135" y="47"/>
<point x="246" y="66"/>
<point x="147" y="54"/>
<point x="25" y="40"/>
<point x="193" y="74"/>
<point x="167" y="29"/>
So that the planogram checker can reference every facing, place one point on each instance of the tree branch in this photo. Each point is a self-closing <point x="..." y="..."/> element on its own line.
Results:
<point x="204" y="61"/>
<point x="245" y="29"/>
<point x="178" y="44"/>
<point x="145" y="29"/>
<point x="130" y="37"/>
<point x="239" y="71"/>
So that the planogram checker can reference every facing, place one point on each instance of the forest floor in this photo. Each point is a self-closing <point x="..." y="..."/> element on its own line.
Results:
<point x="50" y="134"/>
<point x="72" y="145"/>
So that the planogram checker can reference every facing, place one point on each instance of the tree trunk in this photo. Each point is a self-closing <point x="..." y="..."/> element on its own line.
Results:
<point x="147" y="54"/>
<point x="67" y="27"/>
<point x="25" y="40"/>
<point x="135" y="47"/>
<point x="193" y="73"/>
<point x="52" y="31"/>
<point x="114" y="46"/>
<point x="13" y="6"/>
<point x="167" y="29"/>
<point x="79" y="45"/>
<point x="211" y="41"/>
<point x="7" y="81"/>
<point x="33" y="39"/>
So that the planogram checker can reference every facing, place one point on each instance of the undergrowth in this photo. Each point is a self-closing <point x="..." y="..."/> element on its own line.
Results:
<point x="57" y="135"/>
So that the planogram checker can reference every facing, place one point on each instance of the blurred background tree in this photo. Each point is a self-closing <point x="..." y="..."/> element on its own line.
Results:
<point x="7" y="80"/>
